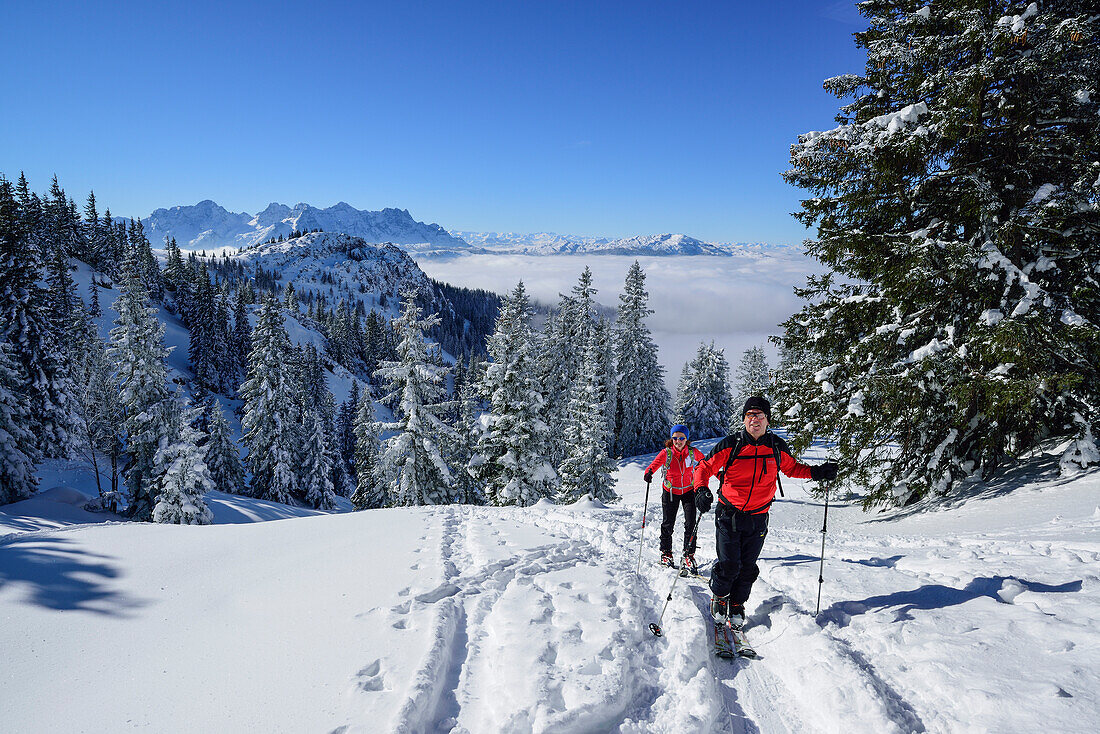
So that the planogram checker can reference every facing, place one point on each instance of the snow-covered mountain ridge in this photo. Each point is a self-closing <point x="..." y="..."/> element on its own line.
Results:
<point x="552" y="243"/>
<point x="355" y="265"/>
<point x="208" y="226"/>
<point x="341" y="267"/>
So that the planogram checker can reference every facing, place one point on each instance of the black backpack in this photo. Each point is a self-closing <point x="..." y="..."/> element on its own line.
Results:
<point x="736" y="449"/>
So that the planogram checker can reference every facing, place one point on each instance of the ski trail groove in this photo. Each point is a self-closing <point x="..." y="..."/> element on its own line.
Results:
<point x="754" y="698"/>
<point x="419" y="712"/>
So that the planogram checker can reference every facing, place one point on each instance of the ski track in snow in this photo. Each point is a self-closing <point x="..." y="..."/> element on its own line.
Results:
<point x="695" y="691"/>
<point x="472" y="627"/>
<point x="752" y="697"/>
<point x="673" y="684"/>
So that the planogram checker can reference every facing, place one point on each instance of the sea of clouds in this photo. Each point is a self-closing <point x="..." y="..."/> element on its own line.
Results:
<point x="736" y="301"/>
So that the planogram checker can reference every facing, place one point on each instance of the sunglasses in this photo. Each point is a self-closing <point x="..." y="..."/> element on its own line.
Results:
<point x="753" y="415"/>
<point x="679" y="438"/>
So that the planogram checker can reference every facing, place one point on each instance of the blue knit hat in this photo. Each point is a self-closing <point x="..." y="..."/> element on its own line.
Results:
<point x="679" y="429"/>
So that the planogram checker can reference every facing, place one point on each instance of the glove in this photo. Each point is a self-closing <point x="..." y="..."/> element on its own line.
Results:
<point x="648" y="477"/>
<point x="824" y="472"/>
<point x="703" y="499"/>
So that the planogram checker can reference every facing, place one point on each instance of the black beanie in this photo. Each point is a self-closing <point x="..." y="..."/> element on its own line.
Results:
<point x="758" y="403"/>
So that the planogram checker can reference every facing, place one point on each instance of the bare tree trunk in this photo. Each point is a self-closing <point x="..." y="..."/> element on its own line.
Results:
<point x="95" y="464"/>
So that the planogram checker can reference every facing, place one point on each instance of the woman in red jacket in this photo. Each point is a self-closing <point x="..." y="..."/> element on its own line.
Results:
<point x="679" y="459"/>
<point x="746" y="463"/>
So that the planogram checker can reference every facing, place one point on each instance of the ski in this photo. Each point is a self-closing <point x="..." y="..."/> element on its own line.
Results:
<point x="741" y="643"/>
<point x="723" y="646"/>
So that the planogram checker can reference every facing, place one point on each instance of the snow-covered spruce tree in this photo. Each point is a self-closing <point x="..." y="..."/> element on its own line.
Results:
<point x="704" y="402"/>
<point x="200" y="322"/>
<point x="146" y="262"/>
<point x="554" y="367"/>
<point x="368" y="494"/>
<point x="241" y="339"/>
<point x="26" y="326"/>
<point x="269" y="409"/>
<point x="317" y="465"/>
<point x="63" y="306"/>
<point x="311" y="400"/>
<point x="511" y="463"/>
<point x="565" y="337"/>
<point x="227" y="376"/>
<point x="94" y="234"/>
<point x="753" y="378"/>
<point x="795" y="361"/>
<point x="61" y="228"/>
<point x="603" y="342"/>
<point x="222" y="458"/>
<point x="643" y="400"/>
<point x="186" y="479"/>
<point x="102" y="411"/>
<point x="345" y="438"/>
<point x="411" y="467"/>
<point x="467" y="434"/>
<point x="96" y="395"/>
<point x="94" y="309"/>
<point x="18" y="451"/>
<point x="957" y="200"/>
<point x="175" y="271"/>
<point x="587" y="467"/>
<point x="137" y="348"/>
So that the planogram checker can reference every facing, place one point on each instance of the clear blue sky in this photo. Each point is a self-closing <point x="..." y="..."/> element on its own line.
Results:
<point x="591" y="118"/>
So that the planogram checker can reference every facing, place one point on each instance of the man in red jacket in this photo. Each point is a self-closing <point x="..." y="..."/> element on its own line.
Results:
<point x="747" y="464"/>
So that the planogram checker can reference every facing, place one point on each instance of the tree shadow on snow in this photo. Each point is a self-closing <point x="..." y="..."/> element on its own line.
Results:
<point x="1038" y="470"/>
<point x="934" y="596"/>
<point x="57" y="575"/>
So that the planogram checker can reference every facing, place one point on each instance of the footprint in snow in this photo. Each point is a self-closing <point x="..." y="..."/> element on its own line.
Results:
<point x="440" y="592"/>
<point x="370" y="678"/>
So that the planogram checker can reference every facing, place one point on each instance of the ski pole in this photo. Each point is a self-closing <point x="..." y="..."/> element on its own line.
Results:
<point x="645" y="509"/>
<point x="655" y="627"/>
<point x="821" y="568"/>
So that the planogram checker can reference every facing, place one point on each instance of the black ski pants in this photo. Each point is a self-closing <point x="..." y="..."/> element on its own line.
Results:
<point x="669" y="504"/>
<point x="740" y="537"/>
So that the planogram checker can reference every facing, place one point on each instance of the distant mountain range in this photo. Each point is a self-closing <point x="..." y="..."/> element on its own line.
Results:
<point x="550" y="243"/>
<point x="209" y="226"/>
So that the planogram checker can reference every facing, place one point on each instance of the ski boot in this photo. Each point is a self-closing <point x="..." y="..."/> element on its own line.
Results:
<point x="737" y="616"/>
<point x="688" y="565"/>
<point x="666" y="560"/>
<point x="720" y="608"/>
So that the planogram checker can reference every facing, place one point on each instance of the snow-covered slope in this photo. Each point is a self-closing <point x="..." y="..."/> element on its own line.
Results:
<point x="357" y="269"/>
<point x="208" y="226"/>
<point x="982" y="618"/>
